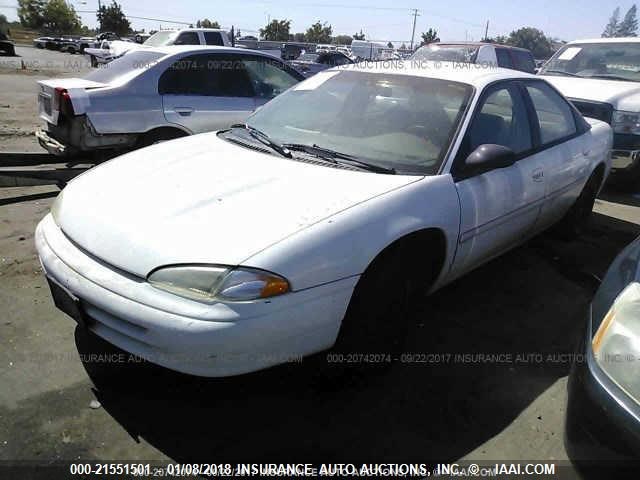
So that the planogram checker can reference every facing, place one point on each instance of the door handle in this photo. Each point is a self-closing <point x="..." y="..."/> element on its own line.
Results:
<point x="537" y="175"/>
<point x="586" y="153"/>
<point x="184" y="111"/>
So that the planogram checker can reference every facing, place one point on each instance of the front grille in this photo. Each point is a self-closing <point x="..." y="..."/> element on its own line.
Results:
<point x="598" y="110"/>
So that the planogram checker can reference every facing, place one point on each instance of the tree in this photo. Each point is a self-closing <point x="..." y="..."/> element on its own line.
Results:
<point x="532" y="39"/>
<point x="31" y="13"/>
<point x="500" y="39"/>
<point x="299" y="37"/>
<point x="343" y="39"/>
<point x="390" y="45"/>
<point x="319" y="33"/>
<point x="276" y="30"/>
<point x="611" y="30"/>
<point x="628" y="27"/>
<point x="430" y="36"/>
<point x="358" y="36"/>
<point x="206" y="23"/>
<point x="112" y="19"/>
<point x="60" y="17"/>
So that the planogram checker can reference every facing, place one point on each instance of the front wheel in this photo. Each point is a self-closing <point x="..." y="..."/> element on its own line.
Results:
<point x="576" y="220"/>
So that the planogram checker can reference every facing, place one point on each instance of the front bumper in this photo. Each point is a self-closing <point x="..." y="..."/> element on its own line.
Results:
<point x="603" y="423"/>
<point x="625" y="158"/>
<point x="209" y="340"/>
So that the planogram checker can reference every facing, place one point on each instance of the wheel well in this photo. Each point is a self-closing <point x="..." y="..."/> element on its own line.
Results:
<point x="599" y="174"/>
<point x="422" y="251"/>
<point x="161" y="132"/>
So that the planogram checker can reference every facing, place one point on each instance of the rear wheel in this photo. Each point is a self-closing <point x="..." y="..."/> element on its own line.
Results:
<point x="576" y="220"/>
<point x="94" y="62"/>
<point x="159" y="136"/>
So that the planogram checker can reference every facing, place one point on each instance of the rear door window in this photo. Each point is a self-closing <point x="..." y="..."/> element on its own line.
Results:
<point x="504" y="59"/>
<point x="554" y="113"/>
<point x="523" y="61"/>
<point x="215" y="75"/>
<point x="187" y="38"/>
<point x="213" y="38"/>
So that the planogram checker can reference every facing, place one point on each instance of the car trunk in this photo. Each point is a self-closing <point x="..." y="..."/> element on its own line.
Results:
<point x="63" y="98"/>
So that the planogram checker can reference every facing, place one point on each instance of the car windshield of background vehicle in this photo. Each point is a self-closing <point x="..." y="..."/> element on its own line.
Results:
<point x="132" y="61"/>
<point x="616" y="61"/>
<point x="397" y="121"/>
<point x="160" y="38"/>
<point x="446" y="53"/>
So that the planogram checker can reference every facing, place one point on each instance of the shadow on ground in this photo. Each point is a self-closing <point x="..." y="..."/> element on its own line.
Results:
<point x="529" y="302"/>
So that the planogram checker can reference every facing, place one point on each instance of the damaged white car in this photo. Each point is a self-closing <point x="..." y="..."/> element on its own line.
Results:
<point x="315" y="222"/>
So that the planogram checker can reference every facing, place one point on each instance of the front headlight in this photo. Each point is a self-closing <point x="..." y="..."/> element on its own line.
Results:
<point x="626" y="122"/>
<point x="208" y="283"/>
<point x="616" y="344"/>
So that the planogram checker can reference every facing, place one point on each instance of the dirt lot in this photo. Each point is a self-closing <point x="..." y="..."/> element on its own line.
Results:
<point x="529" y="302"/>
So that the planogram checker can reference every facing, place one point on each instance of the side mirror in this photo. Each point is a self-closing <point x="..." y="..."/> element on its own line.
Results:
<point x="489" y="157"/>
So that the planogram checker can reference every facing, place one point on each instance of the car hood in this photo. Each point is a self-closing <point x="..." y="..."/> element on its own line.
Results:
<point x="201" y="199"/>
<point x="622" y="95"/>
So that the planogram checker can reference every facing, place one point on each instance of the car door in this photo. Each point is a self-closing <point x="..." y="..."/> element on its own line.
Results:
<point x="269" y="77"/>
<point x="206" y="92"/>
<point x="499" y="208"/>
<point x="561" y="152"/>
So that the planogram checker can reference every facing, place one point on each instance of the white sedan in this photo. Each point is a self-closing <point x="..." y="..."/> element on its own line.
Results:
<point x="312" y="224"/>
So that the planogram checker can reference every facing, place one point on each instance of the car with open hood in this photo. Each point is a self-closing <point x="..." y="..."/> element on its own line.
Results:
<point x="313" y="223"/>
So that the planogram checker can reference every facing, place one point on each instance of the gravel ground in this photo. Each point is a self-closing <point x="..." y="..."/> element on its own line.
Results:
<point x="531" y="301"/>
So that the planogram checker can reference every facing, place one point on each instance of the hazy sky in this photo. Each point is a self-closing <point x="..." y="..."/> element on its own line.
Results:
<point x="380" y="20"/>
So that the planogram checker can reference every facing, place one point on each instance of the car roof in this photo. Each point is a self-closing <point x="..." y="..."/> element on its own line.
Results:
<point x="477" y="44"/>
<point x="607" y="40"/>
<point x="179" y="49"/>
<point x="472" y="74"/>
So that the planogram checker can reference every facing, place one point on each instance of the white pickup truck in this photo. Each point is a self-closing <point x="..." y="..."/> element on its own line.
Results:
<point x="188" y="36"/>
<point x="602" y="79"/>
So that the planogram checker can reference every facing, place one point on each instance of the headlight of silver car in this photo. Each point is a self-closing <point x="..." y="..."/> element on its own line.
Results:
<point x="616" y="344"/>
<point x="626" y="122"/>
<point x="55" y="207"/>
<point x="208" y="283"/>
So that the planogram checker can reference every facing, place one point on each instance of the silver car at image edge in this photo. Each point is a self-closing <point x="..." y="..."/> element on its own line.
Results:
<point x="156" y="94"/>
<point x="313" y="224"/>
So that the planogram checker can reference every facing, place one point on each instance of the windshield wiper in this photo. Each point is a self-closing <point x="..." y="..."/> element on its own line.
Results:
<point x="562" y="72"/>
<point x="334" y="156"/>
<point x="611" y="77"/>
<point x="264" y="139"/>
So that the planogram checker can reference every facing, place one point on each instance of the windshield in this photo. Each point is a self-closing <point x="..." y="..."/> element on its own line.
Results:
<point x="132" y="61"/>
<point x="446" y="53"/>
<point x="159" y="39"/>
<point x="397" y="121"/>
<point x="619" y="61"/>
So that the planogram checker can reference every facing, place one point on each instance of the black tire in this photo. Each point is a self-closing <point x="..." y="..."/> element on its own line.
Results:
<point x="576" y="220"/>
<point x="158" y="136"/>
<point x="94" y="62"/>
<point x="376" y="321"/>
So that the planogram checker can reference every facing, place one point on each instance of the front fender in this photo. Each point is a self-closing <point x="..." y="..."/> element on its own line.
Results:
<point x="344" y="244"/>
